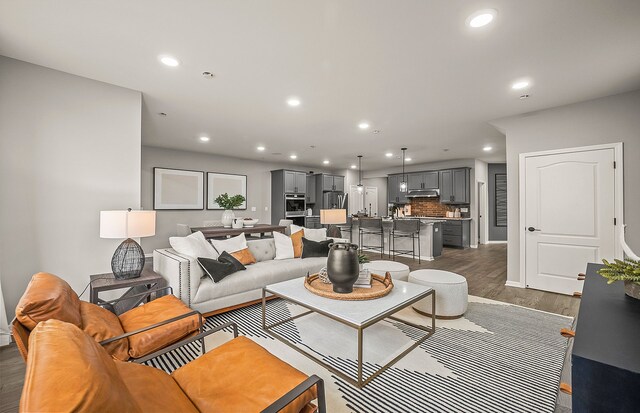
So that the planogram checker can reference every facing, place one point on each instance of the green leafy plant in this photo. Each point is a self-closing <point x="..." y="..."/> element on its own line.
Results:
<point x="362" y="259"/>
<point x="229" y="202"/>
<point x="618" y="270"/>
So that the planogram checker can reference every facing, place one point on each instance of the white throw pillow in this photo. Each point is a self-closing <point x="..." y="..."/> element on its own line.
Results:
<point x="319" y="234"/>
<point x="230" y="245"/>
<point x="284" y="246"/>
<point x="194" y="245"/>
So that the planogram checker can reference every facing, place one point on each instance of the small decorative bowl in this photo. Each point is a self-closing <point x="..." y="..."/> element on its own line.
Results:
<point x="323" y="276"/>
<point x="248" y="223"/>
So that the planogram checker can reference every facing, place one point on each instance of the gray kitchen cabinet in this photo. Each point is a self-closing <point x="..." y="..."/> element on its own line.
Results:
<point x="456" y="234"/>
<point x="338" y="183"/>
<point x="312" y="222"/>
<point x="394" y="195"/>
<point x="332" y="183"/>
<point x="301" y="182"/>
<point x="423" y="180"/>
<point x="311" y="189"/>
<point x="454" y="186"/>
<point x="295" y="182"/>
<point x="289" y="182"/>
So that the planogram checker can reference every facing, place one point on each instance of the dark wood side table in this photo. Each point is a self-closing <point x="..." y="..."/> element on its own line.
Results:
<point x="148" y="280"/>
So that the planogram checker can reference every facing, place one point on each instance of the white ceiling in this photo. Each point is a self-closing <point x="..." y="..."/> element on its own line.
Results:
<point x="411" y="68"/>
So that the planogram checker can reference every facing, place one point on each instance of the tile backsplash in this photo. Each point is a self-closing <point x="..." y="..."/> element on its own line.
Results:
<point x="431" y="207"/>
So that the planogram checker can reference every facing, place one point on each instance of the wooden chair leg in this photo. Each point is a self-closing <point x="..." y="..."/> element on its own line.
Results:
<point x="565" y="388"/>
<point x="565" y="332"/>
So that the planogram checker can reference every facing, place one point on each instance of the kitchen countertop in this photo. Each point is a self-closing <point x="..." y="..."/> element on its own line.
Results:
<point x="448" y="219"/>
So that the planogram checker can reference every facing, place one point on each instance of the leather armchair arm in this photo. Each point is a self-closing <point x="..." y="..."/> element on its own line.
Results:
<point x="156" y="325"/>
<point x="283" y="401"/>
<point x="200" y="336"/>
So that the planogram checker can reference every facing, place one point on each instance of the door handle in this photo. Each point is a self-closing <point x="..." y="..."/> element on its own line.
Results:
<point x="531" y="229"/>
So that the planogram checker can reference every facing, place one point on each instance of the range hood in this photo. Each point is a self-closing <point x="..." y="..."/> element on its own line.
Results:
<point x="424" y="193"/>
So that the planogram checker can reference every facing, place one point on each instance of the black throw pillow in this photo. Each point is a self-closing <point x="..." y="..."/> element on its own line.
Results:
<point x="226" y="257"/>
<point x="216" y="270"/>
<point x="315" y="248"/>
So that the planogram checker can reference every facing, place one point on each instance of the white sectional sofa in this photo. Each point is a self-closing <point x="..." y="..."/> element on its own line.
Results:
<point x="183" y="273"/>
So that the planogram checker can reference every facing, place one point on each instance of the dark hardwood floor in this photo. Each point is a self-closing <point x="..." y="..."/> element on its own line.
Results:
<point x="485" y="269"/>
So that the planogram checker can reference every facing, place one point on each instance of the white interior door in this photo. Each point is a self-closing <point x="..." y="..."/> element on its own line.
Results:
<point x="371" y="200"/>
<point x="569" y="216"/>
<point x="355" y="200"/>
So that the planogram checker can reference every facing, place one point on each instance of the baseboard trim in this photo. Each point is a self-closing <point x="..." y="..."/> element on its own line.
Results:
<point x="473" y="246"/>
<point x="496" y="242"/>
<point x="516" y="284"/>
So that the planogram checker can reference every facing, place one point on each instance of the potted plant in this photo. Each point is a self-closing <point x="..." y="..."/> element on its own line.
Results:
<point x="627" y="271"/>
<point x="228" y="203"/>
<point x="362" y="259"/>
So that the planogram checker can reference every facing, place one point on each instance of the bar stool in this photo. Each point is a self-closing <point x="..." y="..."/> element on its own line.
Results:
<point x="348" y="227"/>
<point x="371" y="226"/>
<point x="405" y="228"/>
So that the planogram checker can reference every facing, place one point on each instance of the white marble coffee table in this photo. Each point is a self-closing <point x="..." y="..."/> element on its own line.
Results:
<point x="356" y="314"/>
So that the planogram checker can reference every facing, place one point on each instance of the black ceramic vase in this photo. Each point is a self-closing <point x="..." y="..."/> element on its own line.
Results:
<point x="342" y="266"/>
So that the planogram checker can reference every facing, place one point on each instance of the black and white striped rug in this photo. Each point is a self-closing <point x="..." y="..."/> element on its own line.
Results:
<point x="497" y="358"/>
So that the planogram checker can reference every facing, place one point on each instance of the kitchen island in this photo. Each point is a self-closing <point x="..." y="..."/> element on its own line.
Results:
<point x="427" y="244"/>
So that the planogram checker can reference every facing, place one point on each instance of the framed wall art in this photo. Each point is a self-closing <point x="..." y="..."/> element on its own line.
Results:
<point x="178" y="189"/>
<point x="219" y="183"/>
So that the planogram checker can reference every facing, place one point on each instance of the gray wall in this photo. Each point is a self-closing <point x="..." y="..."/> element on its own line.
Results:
<point x="605" y="120"/>
<point x="258" y="188"/>
<point x="495" y="233"/>
<point x="69" y="148"/>
<point x="381" y="184"/>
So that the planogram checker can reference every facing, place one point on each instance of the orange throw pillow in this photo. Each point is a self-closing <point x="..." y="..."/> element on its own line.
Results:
<point x="296" y="239"/>
<point x="244" y="256"/>
<point x="48" y="296"/>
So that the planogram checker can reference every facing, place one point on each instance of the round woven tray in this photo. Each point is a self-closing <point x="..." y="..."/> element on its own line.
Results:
<point x="380" y="286"/>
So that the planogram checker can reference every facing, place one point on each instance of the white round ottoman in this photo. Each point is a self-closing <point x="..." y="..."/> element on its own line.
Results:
<point x="452" y="293"/>
<point x="398" y="270"/>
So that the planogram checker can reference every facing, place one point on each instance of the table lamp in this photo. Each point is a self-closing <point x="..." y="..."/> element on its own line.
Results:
<point x="128" y="260"/>
<point x="331" y="217"/>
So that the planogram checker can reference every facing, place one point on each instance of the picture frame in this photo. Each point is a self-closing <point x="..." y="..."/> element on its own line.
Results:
<point x="219" y="183"/>
<point x="177" y="189"/>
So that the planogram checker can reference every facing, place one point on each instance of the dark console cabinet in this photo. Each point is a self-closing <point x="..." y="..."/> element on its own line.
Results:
<point x="605" y="367"/>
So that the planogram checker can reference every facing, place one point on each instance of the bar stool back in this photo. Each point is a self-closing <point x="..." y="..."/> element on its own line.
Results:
<point x="405" y="228"/>
<point x="371" y="226"/>
<point x="348" y="227"/>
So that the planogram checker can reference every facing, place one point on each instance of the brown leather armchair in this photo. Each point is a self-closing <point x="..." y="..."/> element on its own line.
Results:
<point x="132" y="335"/>
<point x="68" y="371"/>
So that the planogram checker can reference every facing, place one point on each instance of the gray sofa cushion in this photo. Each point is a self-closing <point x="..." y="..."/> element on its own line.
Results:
<point x="257" y="276"/>
<point x="262" y="249"/>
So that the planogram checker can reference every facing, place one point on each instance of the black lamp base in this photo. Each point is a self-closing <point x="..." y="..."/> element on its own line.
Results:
<point x="128" y="260"/>
<point x="334" y="232"/>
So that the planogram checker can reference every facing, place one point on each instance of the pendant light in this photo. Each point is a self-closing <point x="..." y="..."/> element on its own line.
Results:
<point x="403" y="184"/>
<point x="360" y="187"/>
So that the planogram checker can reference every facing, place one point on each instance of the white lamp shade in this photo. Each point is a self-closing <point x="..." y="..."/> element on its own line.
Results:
<point x="333" y="216"/>
<point x="127" y="224"/>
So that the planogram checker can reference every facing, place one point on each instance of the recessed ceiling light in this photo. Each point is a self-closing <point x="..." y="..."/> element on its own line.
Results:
<point x="487" y="148"/>
<point x="363" y="125"/>
<point x="407" y="159"/>
<point x="481" y="18"/>
<point x="354" y="166"/>
<point x="521" y="84"/>
<point x="388" y="154"/>
<point x="293" y="156"/>
<point x="169" y="61"/>
<point x="326" y="162"/>
<point x="292" y="101"/>
<point x="260" y="148"/>
<point x="204" y="139"/>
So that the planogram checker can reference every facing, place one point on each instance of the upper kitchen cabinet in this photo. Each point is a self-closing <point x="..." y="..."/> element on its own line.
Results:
<point x="332" y="183"/>
<point x="295" y="182"/>
<point x="423" y="180"/>
<point x="311" y="189"/>
<point x="454" y="186"/>
<point x="394" y="195"/>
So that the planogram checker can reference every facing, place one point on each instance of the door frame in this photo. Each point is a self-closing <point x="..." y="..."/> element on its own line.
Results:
<point x="483" y="211"/>
<point x="618" y="198"/>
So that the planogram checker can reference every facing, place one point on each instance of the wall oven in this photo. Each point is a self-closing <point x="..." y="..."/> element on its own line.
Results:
<point x="294" y="205"/>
